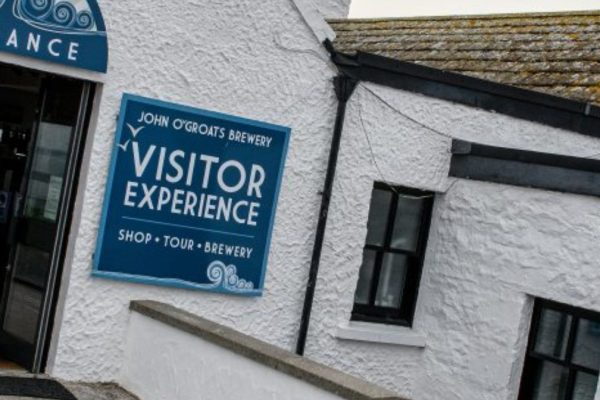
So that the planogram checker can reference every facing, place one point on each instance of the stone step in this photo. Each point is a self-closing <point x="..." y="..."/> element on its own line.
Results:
<point x="98" y="391"/>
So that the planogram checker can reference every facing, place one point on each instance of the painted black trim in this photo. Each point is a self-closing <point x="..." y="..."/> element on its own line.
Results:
<point x="344" y="88"/>
<point x="525" y="168"/>
<point x="525" y="104"/>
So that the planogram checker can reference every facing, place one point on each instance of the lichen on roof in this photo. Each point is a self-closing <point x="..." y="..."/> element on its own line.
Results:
<point x="554" y="53"/>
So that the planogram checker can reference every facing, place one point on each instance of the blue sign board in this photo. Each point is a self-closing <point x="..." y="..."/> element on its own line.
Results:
<point x="191" y="198"/>
<point x="69" y="32"/>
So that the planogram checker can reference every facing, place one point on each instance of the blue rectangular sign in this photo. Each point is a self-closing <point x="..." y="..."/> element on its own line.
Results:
<point x="68" y="32"/>
<point x="191" y="198"/>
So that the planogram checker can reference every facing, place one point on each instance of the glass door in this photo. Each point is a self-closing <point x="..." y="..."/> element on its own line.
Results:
<point x="40" y="213"/>
<point x="12" y="166"/>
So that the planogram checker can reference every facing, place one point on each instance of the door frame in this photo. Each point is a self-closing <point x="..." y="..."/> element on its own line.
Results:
<point x="67" y="201"/>
<point x="62" y="246"/>
<point x="62" y="280"/>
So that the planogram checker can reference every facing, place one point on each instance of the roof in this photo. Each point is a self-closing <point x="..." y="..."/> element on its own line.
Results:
<point x="557" y="54"/>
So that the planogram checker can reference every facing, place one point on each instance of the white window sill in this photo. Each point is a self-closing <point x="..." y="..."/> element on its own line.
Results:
<point x="380" y="333"/>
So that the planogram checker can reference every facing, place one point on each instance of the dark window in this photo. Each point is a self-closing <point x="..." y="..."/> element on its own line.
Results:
<point x="563" y="356"/>
<point x="397" y="233"/>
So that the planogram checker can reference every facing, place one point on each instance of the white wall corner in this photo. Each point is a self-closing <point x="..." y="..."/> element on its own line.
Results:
<point x="315" y="21"/>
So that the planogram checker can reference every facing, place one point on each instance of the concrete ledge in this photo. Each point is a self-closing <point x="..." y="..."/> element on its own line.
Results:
<point x="379" y="333"/>
<point x="316" y="374"/>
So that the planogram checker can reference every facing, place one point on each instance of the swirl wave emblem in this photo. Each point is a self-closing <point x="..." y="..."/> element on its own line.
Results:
<point x="2" y="3"/>
<point x="64" y="16"/>
<point x="225" y="276"/>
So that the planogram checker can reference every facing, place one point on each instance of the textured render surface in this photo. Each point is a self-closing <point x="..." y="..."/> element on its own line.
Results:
<point x="229" y="56"/>
<point x="256" y="363"/>
<point x="491" y="247"/>
<point x="332" y="8"/>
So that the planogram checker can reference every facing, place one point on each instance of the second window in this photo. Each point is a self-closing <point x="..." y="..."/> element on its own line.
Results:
<point x="393" y="255"/>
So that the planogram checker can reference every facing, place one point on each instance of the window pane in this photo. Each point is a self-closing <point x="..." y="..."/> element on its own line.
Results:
<point x="587" y="345"/>
<point x="31" y="265"/>
<point x="48" y="168"/>
<point x="378" y="217"/>
<point x="408" y="223"/>
<point x="391" y="280"/>
<point x="22" y="312"/>
<point x="585" y="386"/>
<point x="365" y="278"/>
<point x="552" y="334"/>
<point x="550" y="382"/>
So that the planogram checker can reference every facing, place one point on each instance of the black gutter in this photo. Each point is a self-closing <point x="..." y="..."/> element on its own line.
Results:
<point x="344" y="87"/>
<point x="525" y="104"/>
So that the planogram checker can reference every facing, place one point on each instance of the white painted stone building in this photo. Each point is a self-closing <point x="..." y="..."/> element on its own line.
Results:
<point x="488" y="251"/>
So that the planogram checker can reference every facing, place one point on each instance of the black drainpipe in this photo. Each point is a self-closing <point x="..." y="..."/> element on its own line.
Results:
<point x="344" y="87"/>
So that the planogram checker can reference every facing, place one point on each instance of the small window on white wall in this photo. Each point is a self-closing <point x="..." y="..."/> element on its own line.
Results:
<point x="393" y="255"/>
<point x="563" y="356"/>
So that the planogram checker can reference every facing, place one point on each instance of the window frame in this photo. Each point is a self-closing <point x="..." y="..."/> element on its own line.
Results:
<point x="404" y="314"/>
<point x="527" y="385"/>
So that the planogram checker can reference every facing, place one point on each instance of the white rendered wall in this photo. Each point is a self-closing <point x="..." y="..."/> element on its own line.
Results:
<point x="491" y="248"/>
<point x="232" y="56"/>
<point x="164" y="363"/>
<point x="332" y="8"/>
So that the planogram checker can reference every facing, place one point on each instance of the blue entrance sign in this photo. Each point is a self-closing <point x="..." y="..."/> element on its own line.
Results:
<point x="69" y="32"/>
<point x="191" y="198"/>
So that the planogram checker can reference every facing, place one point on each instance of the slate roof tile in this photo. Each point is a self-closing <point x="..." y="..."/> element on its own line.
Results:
<point x="552" y="53"/>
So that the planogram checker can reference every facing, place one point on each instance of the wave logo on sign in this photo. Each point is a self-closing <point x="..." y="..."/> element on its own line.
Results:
<point x="226" y="277"/>
<point x="63" y="16"/>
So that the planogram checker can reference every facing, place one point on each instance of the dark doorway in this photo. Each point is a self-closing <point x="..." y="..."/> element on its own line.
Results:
<point x="42" y="119"/>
